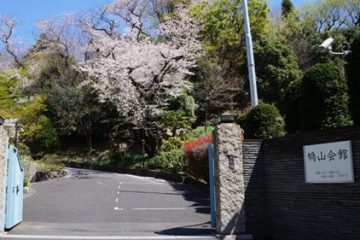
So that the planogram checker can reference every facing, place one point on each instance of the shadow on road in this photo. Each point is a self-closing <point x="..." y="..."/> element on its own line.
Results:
<point x="200" y="198"/>
<point x="189" y="230"/>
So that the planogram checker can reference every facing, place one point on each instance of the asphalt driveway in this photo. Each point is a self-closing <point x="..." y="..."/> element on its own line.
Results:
<point x="99" y="205"/>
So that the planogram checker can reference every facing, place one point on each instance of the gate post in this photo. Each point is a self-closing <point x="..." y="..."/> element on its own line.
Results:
<point x="4" y="140"/>
<point x="229" y="181"/>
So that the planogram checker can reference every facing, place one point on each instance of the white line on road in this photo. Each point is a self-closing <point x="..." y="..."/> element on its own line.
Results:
<point x="102" y="184"/>
<point x="155" y="209"/>
<point x="118" y="209"/>
<point x="117" y="199"/>
<point x="145" y="183"/>
<point x="118" y="192"/>
<point x="6" y="236"/>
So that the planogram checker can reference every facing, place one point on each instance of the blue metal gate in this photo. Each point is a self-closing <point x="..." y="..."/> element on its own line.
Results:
<point x="14" y="190"/>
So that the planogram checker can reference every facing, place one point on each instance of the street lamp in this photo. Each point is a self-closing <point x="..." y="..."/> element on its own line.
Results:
<point x="250" y="56"/>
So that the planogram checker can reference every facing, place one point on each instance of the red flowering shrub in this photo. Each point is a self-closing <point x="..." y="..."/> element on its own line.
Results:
<point x="189" y="146"/>
<point x="196" y="154"/>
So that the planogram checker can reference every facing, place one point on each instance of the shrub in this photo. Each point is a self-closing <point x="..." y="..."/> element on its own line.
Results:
<point x="324" y="98"/>
<point x="199" y="132"/>
<point x="196" y="153"/>
<point x="189" y="146"/>
<point x="170" y="144"/>
<point x="45" y="166"/>
<point x="197" y="162"/>
<point x="353" y="78"/>
<point x="263" y="121"/>
<point x="175" y="122"/>
<point x="172" y="161"/>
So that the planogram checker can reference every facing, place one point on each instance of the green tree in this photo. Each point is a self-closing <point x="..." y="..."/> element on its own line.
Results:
<point x="263" y="121"/>
<point x="291" y="107"/>
<point x="76" y="111"/>
<point x="221" y="28"/>
<point x="287" y="7"/>
<point x="37" y="128"/>
<point x="353" y="78"/>
<point x="174" y="121"/>
<point x="215" y="92"/>
<point x="8" y="96"/>
<point x="324" y="98"/>
<point x="224" y="63"/>
<point x="276" y="68"/>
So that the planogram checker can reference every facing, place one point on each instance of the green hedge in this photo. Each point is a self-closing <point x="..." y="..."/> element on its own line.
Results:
<point x="263" y="121"/>
<point x="324" y="98"/>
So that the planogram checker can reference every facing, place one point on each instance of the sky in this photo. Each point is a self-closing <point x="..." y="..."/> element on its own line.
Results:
<point x="28" y="12"/>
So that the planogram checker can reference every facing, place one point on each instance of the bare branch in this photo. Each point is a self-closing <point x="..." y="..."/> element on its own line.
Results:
<point x="7" y="26"/>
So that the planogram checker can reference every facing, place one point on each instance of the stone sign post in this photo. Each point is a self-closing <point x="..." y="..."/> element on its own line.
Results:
<point x="229" y="182"/>
<point x="7" y="131"/>
<point x="3" y="172"/>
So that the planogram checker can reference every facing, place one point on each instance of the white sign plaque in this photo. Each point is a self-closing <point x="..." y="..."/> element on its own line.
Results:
<point x="329" y="163"/>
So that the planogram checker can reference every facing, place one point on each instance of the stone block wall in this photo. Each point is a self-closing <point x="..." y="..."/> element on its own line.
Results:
<point x="255" y="195"/>
<point x="293" y="209"/>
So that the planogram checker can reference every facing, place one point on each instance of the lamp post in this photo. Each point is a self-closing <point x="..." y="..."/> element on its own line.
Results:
<point x="250" y="56"/>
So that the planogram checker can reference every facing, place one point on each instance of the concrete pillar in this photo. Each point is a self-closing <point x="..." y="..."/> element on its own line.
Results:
<point x="3" y="172"/>
<point x="229" y="182"/>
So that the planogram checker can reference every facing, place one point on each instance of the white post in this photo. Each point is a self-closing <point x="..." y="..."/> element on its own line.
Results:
<point x="250" y="56"/>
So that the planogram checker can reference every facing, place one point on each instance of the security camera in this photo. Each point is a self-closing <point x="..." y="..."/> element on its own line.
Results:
<point x="327" y="43"/>
<point x="345" y="47"/>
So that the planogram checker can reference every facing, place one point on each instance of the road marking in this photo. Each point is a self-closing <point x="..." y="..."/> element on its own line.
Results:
<point x="145" y="183"/>
<point x="119" y="187"/>
<point x="118" y="209"/>
<point x="155" y="209"/>
<point x="103" y="184"/>
<point x="117" y="199"/>
<point x="98" y="182"/>
<point x="118" y="192"/>
<point x="170" y="237"/>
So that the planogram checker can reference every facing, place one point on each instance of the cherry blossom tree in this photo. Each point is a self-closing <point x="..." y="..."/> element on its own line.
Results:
<point x="137" y="72"/>
<point x="63" y="35"/>
<point x="11" y="46"/>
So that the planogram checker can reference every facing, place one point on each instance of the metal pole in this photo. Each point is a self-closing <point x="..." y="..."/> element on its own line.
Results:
<point x="16" y="133"/>
<point x="143" y="152"/>
<point x="212" y="184"/>
<point x="250" y="56"/>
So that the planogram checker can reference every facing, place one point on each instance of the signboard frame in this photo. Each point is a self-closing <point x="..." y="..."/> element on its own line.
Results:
<point x="351" y="179"/>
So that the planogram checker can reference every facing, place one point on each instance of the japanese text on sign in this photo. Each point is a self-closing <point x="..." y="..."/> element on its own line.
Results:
<point x="328" y="163"/>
